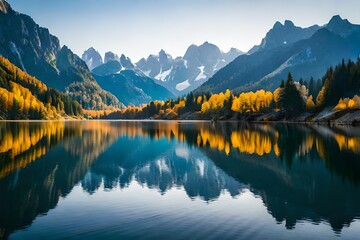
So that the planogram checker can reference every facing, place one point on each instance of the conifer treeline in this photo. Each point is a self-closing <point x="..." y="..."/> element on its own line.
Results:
<point x="292" y="97"/>
<point x="25" y="97"/>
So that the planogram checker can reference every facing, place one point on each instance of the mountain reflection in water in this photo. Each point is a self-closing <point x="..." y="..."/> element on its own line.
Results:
<point x="309" y="173"/>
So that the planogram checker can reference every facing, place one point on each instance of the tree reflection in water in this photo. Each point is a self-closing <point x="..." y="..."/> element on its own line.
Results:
<point x="300" y="172"/>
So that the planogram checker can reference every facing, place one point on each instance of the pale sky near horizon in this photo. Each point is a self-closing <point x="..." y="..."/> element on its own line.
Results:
<point x="138" y="28"/>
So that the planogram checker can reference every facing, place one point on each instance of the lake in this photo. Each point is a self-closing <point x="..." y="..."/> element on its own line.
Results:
<point x="178" y="180"/>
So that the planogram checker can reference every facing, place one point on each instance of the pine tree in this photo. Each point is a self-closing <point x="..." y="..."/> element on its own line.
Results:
<point x="189" y="104"/>
<point x="292" y="100"/>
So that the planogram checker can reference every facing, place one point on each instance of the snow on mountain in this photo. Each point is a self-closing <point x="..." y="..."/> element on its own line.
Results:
<point x="201" y="74"/>
<point x="197" y="65"/>
<point x="183" y="85"/>
<point x="163" y="74"/>
<point x="305" y="52"/>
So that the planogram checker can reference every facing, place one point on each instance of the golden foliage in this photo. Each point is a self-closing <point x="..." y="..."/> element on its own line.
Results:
<point x="348" y="103"/>
<point x="348" y="142"/>
<point x="278" y="94"/>
<point x="310" y="105"/>
<point x="252" y="102"/>
<point x="22" y="146"/>
<point x="25" y="97"/>
<point x="251" y="142"/>
<point x="216" y="101"/>
<point x="97" y="114"/>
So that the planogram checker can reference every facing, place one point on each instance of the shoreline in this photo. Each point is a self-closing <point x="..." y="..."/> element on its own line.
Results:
<point x="322" y="123"/>
<point x="328" y="117"/>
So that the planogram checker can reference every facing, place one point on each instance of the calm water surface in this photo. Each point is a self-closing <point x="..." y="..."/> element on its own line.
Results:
<point x="170" y="180"/>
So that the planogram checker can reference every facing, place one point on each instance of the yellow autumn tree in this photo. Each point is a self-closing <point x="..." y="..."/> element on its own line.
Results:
<point x="310" y="105"/>
<point x="252" y="102"/>
<point x="341" y="105"/>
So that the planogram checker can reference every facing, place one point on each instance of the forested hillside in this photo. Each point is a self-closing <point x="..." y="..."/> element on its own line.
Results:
<point x="303" y="54"/>
<point x="25" y="97"/>
<point x="331" y="97"/>
<point x="36" y="51"/>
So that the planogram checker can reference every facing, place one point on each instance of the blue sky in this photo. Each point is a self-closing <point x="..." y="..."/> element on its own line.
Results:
<point x="138" y="28"/>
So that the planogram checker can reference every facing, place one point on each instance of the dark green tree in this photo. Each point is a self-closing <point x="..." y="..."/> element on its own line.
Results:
<point x="189" y="103"/>
<point x="293" y="103"/>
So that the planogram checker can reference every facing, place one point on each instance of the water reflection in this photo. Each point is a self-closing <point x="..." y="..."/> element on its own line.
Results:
<point x="300" y="172"/>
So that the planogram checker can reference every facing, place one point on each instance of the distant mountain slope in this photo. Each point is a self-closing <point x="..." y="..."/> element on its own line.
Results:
<point x="183" y="74"/>
<point x="36" y="51"/>
<point x="129" y="84"/>
<point x="305" y="58"/>
<point x="133" y="88"/>
<point x="114" y="66"/>
<point x="108" y="68"/>
<point x="25" y="97"/>
<point x="284" y="34"/>
<point x="180" y="75"/>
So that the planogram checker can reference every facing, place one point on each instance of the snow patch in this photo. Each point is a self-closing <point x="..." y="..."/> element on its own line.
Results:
<point x="219" y="62"/>
<point x="147" y="72"/>
<point x="162" y="75"/>
<point x="122" y="68"/>
<point x="183" y="85"/>
<point x="186" y="64"/>
<point x="201" y="74"/>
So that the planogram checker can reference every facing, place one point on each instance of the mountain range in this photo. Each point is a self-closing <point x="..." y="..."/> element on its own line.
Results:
<point x="110" y="82"/>
<point x="132" y="87"/>
<point x="120" y="76"/>
<point x="305" y="52"/>
<point x="184" y="74"/>
<point x="179" y="76"/>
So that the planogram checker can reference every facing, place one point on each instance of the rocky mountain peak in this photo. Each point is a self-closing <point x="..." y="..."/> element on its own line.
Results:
<point x="185" y="73"/>
<point x="202" y="53"/>
<point x="336" y="19"/>
<point x="284" y="34"/>
<point x="126" y="62"/>
<point x="278" y="25"/>
<point x="341" y="26"/>
<point x="92" y="58"/>
<point x="289" y="23"/>
<point x="162" y="52"/>
<point x="5" y="7"/>
<point x="165" y="59"/>
<point x="110" y="56"/>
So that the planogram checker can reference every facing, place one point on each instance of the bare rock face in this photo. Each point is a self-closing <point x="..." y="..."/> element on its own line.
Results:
<point x="305" y="52"/>
<point x="184" y="74"/>
<point x="92" y="58"/>
<point x="129" y="84"/>
<point x="341" y="26"/>
<point x="110" y="56"/>
<point x="33" y="49"/>
<point x="285" y="34"/>
<point x="4" y="7"/>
